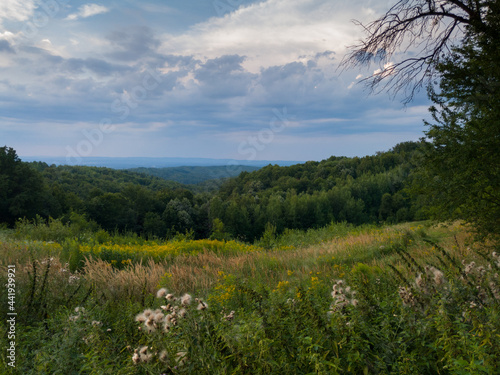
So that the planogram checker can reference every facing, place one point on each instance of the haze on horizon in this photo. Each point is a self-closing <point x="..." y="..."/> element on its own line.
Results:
<point x="222" y="79"/>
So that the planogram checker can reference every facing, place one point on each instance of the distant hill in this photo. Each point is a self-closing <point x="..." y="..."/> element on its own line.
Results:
<point x="82" y="180"/>
<point x="195" y="175"/>
<point x="147" y="162"/>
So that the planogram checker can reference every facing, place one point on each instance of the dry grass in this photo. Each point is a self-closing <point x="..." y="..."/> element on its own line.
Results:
<point x="201" y="272"/>
<point x="131" y="282"/>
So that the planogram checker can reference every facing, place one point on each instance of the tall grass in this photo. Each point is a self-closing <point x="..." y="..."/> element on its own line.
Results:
<point x="404" y="299"/>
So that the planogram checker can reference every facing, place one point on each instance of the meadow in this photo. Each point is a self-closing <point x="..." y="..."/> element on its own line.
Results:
<point x="414" y="298"/>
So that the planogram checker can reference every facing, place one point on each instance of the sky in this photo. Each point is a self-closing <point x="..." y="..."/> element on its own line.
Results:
<point x="229" y="79"/>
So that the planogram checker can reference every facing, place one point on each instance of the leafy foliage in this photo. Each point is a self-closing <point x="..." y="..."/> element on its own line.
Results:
<point x="195" y="175"/>
<point x="461" y="173"/>
<point x="303" y="196"/>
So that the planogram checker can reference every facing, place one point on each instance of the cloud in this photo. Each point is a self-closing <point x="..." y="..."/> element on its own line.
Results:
<point x="220" y="80"/>
<point x="100" y="67"/>
<point x="6" y="47"/>
<point x="16" y="10"/>
<point x="224" y="77"/>
<point x="133" y="43"/>
<point x="87" y="10"/>
<point x="273" y="32"/>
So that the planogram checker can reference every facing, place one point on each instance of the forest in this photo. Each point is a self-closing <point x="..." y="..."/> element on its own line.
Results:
<point x="370" y="189"/>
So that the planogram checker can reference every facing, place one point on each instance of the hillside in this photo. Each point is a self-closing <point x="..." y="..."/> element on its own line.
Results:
<point x="195" y="174"/>
<point x="274" y="198"/>
<point x="356" y="190"/>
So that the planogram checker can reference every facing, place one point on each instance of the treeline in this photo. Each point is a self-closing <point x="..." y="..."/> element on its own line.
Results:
<point x="311" y="195"/>
<point x="303" y="196"/>
<point x="195" y="175"/>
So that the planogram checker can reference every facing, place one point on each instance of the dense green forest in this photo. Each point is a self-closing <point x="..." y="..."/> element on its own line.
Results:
<point x="194" y="174"/>
<point x="310" y="195"/>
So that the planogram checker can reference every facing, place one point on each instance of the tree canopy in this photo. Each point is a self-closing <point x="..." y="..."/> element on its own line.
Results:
<point x="462" y="163"/>
<point x="455" y="52"/>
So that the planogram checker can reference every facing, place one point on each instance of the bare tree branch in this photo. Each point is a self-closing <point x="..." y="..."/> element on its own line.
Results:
<point x="428" y="26"/>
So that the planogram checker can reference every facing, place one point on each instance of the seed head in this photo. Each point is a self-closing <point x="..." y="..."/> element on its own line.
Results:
<point x="186" y="300"/>
<point x="161" y="293"/>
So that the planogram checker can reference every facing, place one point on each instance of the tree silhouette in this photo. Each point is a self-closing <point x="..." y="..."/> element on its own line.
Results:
<point x="430" y="27"/>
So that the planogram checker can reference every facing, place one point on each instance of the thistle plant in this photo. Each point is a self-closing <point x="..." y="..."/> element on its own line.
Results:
<point x="161" y="321"/>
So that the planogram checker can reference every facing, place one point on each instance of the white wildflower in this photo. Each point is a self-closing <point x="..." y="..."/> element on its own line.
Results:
<point x="161" y="293"/>
<point x="141" y="318"/>
<point x="469" y="267"/>
<point x="202" y="306"/>
<point x="136" y="358"/>
<point x="186" y="300"/>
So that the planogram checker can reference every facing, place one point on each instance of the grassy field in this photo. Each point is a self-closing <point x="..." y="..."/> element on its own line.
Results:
<point x="405" y="299"/>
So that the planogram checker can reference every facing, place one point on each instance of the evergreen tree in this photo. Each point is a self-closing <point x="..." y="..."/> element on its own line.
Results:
<point x="462" y="163"/>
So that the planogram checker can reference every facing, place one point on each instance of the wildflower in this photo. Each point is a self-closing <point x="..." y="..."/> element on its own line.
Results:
<point x="469" y="267"/>
<point x="73" y="279"/>
<point x="202" y="306"/>
<point x="95" y="323"/>
<point x="163" y="356"/>
<point x="144" y="355"/>
<point x="419" y="281"/>
<point x="186" y="300"/>
<point x="170" y="319"/>
<point x="150" y="325"/>
<point x="74" y="318"/>
<point x="136" y="358"/>
<point x="406" y="296"/>
<point x="170" y="297"/>
<point x="79" y="309"/>
<point x="158" y="317"/>
<point x="147" y="312"/>
<point x="339" y="295"/>
<point x="481" y="270"/>
<point x="161" y="293"/>
<point x="438" y="275"/>
<point x="182" y="313"/>
<point x="166" y="326"/>
<point x="229" y="317"/>
<point x="141" y="318"/>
